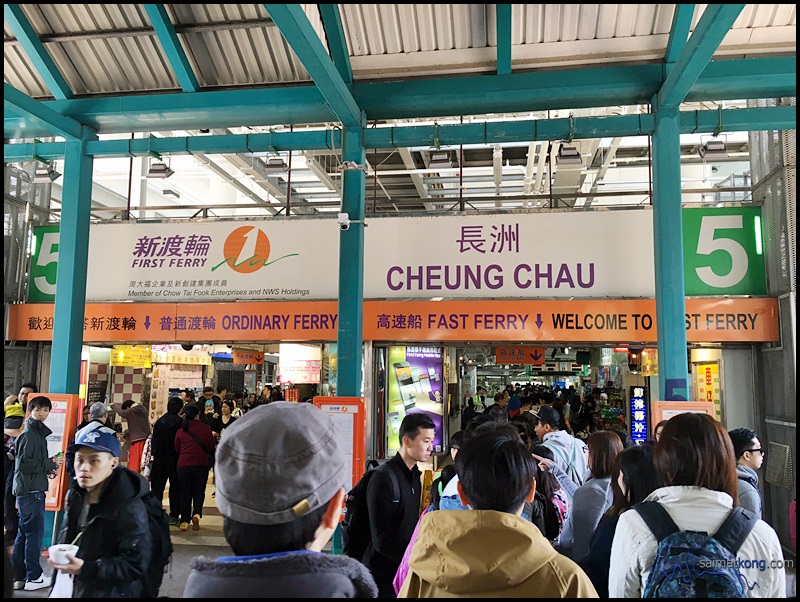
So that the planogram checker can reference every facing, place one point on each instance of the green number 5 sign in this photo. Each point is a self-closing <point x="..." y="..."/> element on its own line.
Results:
<point x="722" y="251"/>
<point x="44" y="263"/>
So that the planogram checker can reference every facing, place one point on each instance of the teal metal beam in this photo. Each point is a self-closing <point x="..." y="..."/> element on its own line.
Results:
<point x="351" y="268"/>
<point x="766" y="78"/>
<point x="773" y="77"/>
<point x="176" y="56"/>
<point x="715" y="23"/>
<point x="300" y="35"/>
<point x="679" y="32"/>
<point x="668" y="241"/>
<point x="54" y="123"/>
<point x="503" y="18"/>
<point x="73" y="258"/>
<point x="579" y="88"/>
<point x="691" y="122"/>
<point x="36" y="51"/>
<point x="293" y="105"/>
<point x="337" y="43"/>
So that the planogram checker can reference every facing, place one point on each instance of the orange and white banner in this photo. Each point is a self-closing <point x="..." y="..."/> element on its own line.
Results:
<point x="708" y="320"/>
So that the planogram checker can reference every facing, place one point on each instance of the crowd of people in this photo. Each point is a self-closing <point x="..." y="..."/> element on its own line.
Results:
<point x="526" y="509"/>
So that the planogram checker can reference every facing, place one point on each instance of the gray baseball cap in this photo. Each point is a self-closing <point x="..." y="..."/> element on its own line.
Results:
<point x="277" y="463"/>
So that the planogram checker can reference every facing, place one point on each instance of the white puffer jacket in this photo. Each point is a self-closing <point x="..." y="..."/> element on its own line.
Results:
<point x="692" y="509"/>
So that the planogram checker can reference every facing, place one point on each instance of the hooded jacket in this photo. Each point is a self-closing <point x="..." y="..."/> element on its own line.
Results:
<point x="589" y="504"/>
<point x="693" y="509"/>
<point x="301" y="574"/>
<point x="31" y="460"/>
<point x="488" y="554"/>
<point x="570" y="454"/>
<point x="116" y="544"/>
<point x="749" y="496"/>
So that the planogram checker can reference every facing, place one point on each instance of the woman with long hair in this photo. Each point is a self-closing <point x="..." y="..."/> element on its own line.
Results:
<point x="195" y="445"/>
<point x="695" y="458"/>
<point x="591" y="500"/>
<point x="634" y="478"/>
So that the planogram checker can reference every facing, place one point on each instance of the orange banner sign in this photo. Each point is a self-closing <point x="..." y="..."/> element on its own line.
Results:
<point x="707" y="320"/>
<point x="601" y="321"/>
<point x="519" y="355"/>
<point x="248" y="357"/>
<point x="102" y="322"/>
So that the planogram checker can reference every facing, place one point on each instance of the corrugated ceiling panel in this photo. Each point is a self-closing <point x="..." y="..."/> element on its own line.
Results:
<point x="232" y="45"/>
<point x="378" y="29"/>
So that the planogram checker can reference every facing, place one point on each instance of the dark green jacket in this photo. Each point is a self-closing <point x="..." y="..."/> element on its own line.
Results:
<point x="32" y="461"/>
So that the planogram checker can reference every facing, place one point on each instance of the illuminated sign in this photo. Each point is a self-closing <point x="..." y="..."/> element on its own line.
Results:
<point x="639" y="414"/>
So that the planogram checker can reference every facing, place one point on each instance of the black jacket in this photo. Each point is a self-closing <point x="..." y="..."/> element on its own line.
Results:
<point x="162" y="445"/>
<point x="116" y="544"/>
<point x="391" y="522"/>
<point x="32" y="463"/>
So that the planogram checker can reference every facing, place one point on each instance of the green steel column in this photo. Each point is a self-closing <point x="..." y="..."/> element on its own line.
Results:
<point x="351" y="268"/>
<point x="668" y="236"/>
<point x="73" y="254"/>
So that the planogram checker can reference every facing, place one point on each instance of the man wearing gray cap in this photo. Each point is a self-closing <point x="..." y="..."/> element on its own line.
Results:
<point x="280" y="476"/>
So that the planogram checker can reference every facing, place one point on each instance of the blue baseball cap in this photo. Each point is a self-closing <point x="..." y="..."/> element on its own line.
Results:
<point x="101" y="439"/>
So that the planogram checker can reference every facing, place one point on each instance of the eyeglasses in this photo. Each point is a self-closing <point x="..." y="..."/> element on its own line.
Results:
<point x="759" y="450"/>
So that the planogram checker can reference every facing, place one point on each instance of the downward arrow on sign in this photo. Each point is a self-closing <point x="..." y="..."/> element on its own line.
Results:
<point x="536" y="356"/>
<point x="259" y="358"/>
<point x="539" y="321"/>
<point x="147" y="323"/>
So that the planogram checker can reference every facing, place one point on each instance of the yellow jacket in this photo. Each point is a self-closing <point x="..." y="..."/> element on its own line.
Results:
<point x="488" y="554"/>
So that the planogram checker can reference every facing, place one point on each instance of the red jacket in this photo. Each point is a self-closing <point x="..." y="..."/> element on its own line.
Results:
<point x="189" y="451"/>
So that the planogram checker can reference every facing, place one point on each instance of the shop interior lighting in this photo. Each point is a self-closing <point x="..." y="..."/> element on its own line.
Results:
<point x="46" y="174"/>
<point x="440" y="160"/>
<point x="173" y="193"/>
<point x="276" y="165"/>
<point x="713" y="150"/>
<point x="569" y="155"/>
<point x="159" y="170"/>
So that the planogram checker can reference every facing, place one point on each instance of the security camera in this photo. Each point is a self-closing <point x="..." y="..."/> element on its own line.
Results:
<point x="344" y="221"/>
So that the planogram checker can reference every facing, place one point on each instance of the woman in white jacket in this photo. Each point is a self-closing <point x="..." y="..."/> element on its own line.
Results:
<point x="695" y="457"/>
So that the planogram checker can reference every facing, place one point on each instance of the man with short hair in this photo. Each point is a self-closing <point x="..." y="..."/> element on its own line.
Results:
<point x="392" y="521"/>
<point x="30" y="486"/>
<point x="749" y="458"/>
<point x="489" y="550"/>
<point x="280" y="476"/>
<point x="570" y="453"/>
<point x="98" y="416"/>
<point x="12" y="430"/>
<point x="104" y="506"/>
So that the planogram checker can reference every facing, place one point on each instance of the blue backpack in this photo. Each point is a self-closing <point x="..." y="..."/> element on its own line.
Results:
<point x="694" y="564"/>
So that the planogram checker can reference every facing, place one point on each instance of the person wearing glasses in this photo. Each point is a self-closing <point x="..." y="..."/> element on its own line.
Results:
<point x="749" y="458"/>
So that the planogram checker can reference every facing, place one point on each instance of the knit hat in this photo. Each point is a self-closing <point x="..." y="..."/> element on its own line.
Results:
<point x="277" y="463"/>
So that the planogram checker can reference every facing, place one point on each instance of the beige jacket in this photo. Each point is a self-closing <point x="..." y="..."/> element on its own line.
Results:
<point x="487" y="554"/>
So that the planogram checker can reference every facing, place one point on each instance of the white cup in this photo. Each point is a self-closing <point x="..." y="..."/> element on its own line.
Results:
<point x="58" y="552"/>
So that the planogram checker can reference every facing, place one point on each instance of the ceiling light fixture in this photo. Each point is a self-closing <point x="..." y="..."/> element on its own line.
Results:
<point x="159" y="170"/>
<point x="440" y="160"/>
<point x="276" y="165"/>
<point x="569" y="155"/>
<point x="173" y="193"/>
<point x="46" y="174"/>
<point x="713" y="150"/>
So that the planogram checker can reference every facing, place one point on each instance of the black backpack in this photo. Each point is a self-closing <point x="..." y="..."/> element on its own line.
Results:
<point x="356" y="535"/>
<point x="158" y="523"/>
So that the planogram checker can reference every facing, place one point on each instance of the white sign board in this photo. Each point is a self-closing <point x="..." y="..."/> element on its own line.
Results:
<point x="549" y="255"/>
